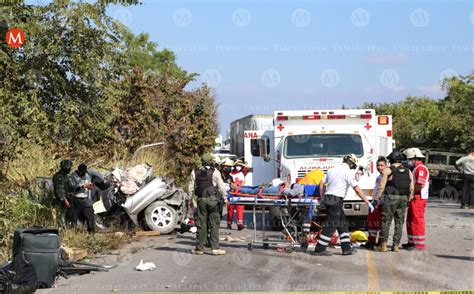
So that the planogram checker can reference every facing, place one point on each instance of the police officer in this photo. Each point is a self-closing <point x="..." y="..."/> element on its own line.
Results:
<point x="207" y="184"/>
<point x="62" y="192"/>
<point x="83" y="196"/>
<point x="338" y="180"/>
<point x="396" y="187"/>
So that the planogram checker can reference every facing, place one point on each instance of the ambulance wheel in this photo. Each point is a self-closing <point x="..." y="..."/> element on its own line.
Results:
<point x="265" y="245"/>
<point x="289" y="249"/>
<point x="250" y="246"/>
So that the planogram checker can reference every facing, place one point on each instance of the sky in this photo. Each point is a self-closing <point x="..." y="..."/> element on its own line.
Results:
<point x="261" y="56"/>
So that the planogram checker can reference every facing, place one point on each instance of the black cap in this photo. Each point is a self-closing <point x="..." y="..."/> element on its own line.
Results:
<point x="82" y="167"/>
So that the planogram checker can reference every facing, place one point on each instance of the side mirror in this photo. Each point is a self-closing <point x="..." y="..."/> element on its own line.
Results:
<point x="264" y="152"/>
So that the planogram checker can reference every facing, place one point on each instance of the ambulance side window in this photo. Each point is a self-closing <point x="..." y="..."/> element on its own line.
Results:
<point x="254" y="147"/>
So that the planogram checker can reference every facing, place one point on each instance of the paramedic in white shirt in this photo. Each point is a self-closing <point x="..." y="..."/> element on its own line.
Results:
<point x="339" y="179"/>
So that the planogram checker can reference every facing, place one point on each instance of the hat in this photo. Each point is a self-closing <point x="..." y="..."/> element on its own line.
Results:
<point x="240" y="162"/>
<point x="358" y="236"/>
<point x="65" y="164"/>
<point x="227" y="162"/>
<point x="207" y="157"/>
<point x="395" y="156"/>
<point x="413" y="153"/>
<point x="350" y="157"/>
<point x="82" y="167"/>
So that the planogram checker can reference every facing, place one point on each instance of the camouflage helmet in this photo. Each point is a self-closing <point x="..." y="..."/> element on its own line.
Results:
<point x="65" y="164"/>
<point x="207" y="157"/>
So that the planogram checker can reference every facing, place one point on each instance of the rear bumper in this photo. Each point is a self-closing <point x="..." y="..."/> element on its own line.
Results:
<point x="355" y="208"/>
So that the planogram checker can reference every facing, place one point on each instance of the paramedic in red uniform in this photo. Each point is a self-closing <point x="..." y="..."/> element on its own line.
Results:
<point x="416" y="206"/>
<point x="374" y="219"/>
<point x="238" y="174"/>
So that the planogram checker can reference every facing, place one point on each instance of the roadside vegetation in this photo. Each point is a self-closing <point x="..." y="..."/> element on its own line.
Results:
<point x="84" y="87"/>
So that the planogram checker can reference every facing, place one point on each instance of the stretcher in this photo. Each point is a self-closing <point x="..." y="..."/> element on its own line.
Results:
<point x="292" y="211"/>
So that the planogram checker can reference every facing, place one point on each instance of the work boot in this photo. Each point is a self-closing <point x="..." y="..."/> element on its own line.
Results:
<point x="240" y="227"/>
<point x="347" y="252"/>
<point x="217" y="252"/>
<point x="382" y="247"/>
<point x="395" y="248"/>
<point x="197" y="251"/>
<point x="407" y="246"/>
<point x="369" y="245"/>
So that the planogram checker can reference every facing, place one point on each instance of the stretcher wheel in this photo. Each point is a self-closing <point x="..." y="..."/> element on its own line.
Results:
<point x="250" y="246"/>
<point x="289" y="249"/>
<point x="265" y="245"/>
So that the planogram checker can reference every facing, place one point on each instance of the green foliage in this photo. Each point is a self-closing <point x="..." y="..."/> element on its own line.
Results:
<point x="443" y="124"/>
<point x="84" y="87"/>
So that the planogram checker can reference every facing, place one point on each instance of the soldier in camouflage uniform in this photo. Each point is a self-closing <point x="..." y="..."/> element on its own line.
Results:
<point x="62" y="192"/>
<point x="207" y="184"/>
<point x="397" y="187"/>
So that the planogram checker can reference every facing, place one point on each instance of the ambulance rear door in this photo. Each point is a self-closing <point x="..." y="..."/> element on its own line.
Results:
<point x="262" y="168"/>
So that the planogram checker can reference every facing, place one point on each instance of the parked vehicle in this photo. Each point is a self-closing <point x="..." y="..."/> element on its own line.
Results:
<point x="318" y="139"/>
<point x="445" y="179"/>
<point x="253" y="122"/>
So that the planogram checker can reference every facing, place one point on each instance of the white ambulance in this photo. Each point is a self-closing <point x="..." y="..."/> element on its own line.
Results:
<point x="303" y="140"/>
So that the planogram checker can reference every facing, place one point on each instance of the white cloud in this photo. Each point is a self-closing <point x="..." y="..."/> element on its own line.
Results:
<point x="435" y="88"/>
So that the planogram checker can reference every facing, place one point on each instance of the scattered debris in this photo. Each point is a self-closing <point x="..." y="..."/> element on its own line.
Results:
<point x="74" y="254"/>
<point x="147" y="266"/>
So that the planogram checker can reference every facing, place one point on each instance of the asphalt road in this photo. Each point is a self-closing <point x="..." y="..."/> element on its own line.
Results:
<point x="447" y="263"/>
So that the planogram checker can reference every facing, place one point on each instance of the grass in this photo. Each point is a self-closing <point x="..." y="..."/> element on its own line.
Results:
<point x="24" y="204"/>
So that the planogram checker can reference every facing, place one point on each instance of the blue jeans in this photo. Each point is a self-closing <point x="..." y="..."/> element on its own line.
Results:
<point x="254" y="190"/>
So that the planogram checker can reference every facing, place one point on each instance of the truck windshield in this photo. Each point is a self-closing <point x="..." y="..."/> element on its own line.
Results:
<point x="323" y="145"/>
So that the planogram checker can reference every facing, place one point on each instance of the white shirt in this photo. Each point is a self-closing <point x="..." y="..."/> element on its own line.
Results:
<point x="339" y="179"/>
<point x="376" y="188"/>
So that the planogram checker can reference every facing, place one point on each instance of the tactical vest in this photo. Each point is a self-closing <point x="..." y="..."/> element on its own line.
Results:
<point x="203" y="180"/>
<point x="400" y="182"/>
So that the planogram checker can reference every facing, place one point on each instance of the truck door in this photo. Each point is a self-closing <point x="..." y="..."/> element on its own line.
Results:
<point x="262" y="167"/>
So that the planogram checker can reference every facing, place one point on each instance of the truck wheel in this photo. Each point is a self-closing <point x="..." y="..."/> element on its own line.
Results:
<point x="161" y="217"/>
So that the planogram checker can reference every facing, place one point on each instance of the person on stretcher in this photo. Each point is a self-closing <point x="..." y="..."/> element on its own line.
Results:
<point x="278" y="187"/>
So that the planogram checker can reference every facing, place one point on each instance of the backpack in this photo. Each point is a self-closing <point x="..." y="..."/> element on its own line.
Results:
<point x="41" y="248"/>
<point x="400" y="182"/>
<point x="203" y="181"/>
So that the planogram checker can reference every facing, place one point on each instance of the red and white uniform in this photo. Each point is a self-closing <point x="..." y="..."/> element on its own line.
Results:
<point x="374" y="219"/>
<point x="416" y="207"/>
<point x="239" y="180"/>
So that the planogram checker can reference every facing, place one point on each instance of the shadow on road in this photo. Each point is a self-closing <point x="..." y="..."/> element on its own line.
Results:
<point x="466" y="258"/>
